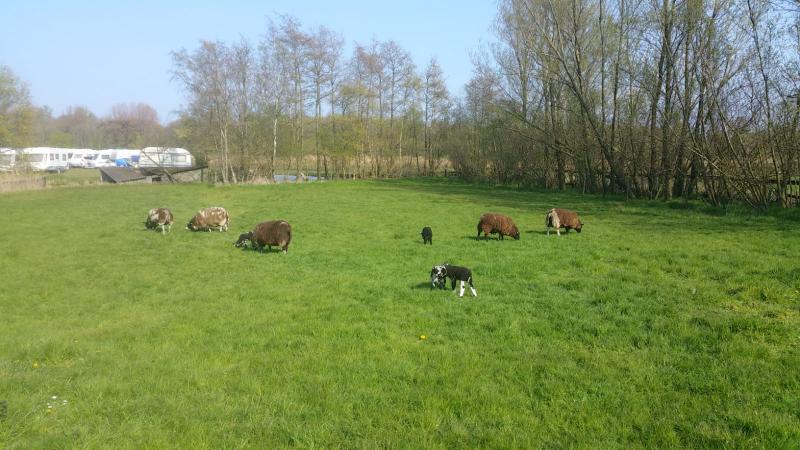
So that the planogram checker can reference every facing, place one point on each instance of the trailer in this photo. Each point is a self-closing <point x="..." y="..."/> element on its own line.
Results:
<point x="45" y="159"/>
<point x="76" y="157"/>
<point x="127" y="157"/>
<point x="101" y="158"/>
<point x="165" y="157"/>
<point x="61" y="159"/>
<point x="8" y="157"/>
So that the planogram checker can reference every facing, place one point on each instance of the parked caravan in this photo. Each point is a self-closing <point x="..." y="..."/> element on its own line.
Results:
<point x="44" y="158"/>
<point x="101" y="158"/>
<point x="127" y="157"/>
<point x="165" y="157"/>
<point x="8" y="157"/>
<point x="76" y="157"/>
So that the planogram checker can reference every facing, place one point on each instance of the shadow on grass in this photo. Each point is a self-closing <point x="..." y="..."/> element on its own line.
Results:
<point x="264" y="250"/>
<point x="552" y="232"/>
<point x="645" y="215"/>
<point x="492" y="238"/>
<point x="156" y="230"/>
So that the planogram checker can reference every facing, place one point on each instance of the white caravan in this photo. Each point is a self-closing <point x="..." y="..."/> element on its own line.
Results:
<point x="165" y="157"/>
<point x="101" y="158"/>
<point x="8" y="157"/>
<point x="45" y="158"/>
<point x="76" y="157"/>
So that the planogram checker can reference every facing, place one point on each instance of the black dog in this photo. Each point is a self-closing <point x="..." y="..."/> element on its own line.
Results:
<point x="440" y="273"/>
<point x="427" y="236"/>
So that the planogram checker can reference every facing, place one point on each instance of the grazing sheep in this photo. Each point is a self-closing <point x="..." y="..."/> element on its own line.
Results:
<point x="439" y="277"/>
<point x="208" y="218"/>
<point x="427" y="236"/>
<point x="244" y="239"/>
<point x="497" y="224"/>
<point x="558" y="218"/>
<point x="440" y="273"/>
<point x="159" y="217"/>
<point x="275" y="232"/>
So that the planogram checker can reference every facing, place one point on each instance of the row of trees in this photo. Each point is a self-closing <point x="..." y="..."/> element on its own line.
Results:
<point x="650" y="98"/>
<point x="653" y="98"/>
<point x="23" y="124"/>
<point x="294" y="102"/>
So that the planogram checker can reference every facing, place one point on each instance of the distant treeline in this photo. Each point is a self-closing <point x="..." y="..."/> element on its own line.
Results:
<point x="23" y="124"/>
<point x="649" y="98"/>
<point x="654" y="99"/>
<point x="294" y="93"/>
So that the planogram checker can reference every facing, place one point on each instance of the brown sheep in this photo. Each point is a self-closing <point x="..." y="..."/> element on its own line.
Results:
<point x="208" y="218"/>
<point x="497" y="224"/>
<point x="159" y="217"/>
<point x="558" y="218"/>
<point x="274" y="232"/>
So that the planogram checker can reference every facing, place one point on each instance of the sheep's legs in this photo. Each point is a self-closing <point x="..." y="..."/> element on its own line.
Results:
<point x="471" y="287"/>
<point x="558" y="231"/>
<point x="461" y="290"/>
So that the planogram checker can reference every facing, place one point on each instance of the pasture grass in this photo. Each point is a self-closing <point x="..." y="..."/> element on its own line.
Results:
<point x="661" y="325"/>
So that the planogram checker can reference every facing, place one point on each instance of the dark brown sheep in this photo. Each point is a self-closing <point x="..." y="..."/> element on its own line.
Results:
<point x="159" y="217"/>
<point x="558" y="218"/>
<point x="497" y="224"/>
<point x="208" y="218"/>
<point x="274" y="232"/>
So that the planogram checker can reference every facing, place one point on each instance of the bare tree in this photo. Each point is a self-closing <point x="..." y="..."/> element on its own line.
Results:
<point x="435" y="97"/>
<point x="204" y="77"/>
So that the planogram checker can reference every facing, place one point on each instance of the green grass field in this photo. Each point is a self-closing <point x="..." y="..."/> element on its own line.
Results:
<point x="661" y="325"/>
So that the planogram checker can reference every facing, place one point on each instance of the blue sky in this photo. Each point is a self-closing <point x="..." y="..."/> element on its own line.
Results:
<point x="98" y="53"/>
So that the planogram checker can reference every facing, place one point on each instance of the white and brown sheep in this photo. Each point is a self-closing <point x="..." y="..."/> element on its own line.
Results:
<point x="159" y="217"/>
<point x="208" y="219"/>
<point x="497" y="224"/>
<point x="274" y="232"/>
<point x="562" y="218"/>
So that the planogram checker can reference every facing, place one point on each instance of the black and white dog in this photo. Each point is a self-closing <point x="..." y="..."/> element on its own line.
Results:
<point x="440" y="273"/>
<point x="427" y="236"/>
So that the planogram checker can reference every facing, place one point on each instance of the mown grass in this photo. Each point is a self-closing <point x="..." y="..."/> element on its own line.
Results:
<point x="661" y="325"/>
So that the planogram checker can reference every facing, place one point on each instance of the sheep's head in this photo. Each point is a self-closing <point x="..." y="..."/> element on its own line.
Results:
<point x="578" y="228"/>
<point x="243" y="239"/>
<point x="438" y="274"/>
<point x="514" y="232"/>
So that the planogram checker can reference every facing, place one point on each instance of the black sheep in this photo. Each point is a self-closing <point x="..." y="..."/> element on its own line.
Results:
<point x="440" y="273"/>
<point x="427" y="236"/>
